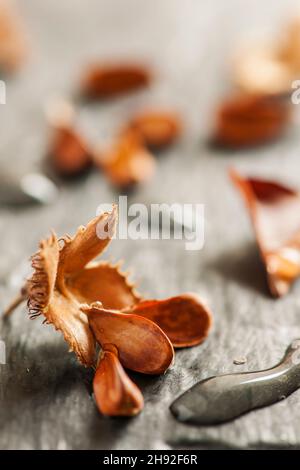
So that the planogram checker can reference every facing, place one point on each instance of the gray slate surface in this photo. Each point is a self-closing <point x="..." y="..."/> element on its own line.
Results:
<point x="45" y="400"/>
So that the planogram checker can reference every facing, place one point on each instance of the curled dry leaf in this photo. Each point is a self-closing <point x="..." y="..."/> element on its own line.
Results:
<point x="128" y="162"/>
<point x="275" y="215"/>
<point x="157" y="128"/>
<point x="245" y="121"/>
<point x="13" y="40"/>
<point x="110" y="80"/>
<point x="142" y="345"/>
<point x="54" y="267"/>
<point x="184" y="319"/>
<point x="114" y="391"/>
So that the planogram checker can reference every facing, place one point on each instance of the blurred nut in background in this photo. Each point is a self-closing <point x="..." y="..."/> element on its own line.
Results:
<point x="128" y="162"/>
<point x="106" y="81"/>
<point x="270" y="68"/>
<point x="13" y="40"/>
<point x="157" y="128"/>
<point x="246" y="120"/>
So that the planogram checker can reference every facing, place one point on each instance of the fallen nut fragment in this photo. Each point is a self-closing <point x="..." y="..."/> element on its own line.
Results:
<point x="184" y="319"/>
<point x="247" y="120"/>
<point x="128" y="162"/>
<point x="114" y="391"/>
<point x="13" y="40"/>
<point x="110" y="80"/>
<point x="275" y="213"/>
<point x="157" y="129"/>
<point x="68" y="151"/>
<point x="141" y="344"/>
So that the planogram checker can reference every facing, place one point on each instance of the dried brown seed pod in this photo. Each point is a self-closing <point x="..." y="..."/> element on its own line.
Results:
<point x="275" y="213"/>
<point x="184" y="319"/>
<point x="245" y="120"/>
<point x="114" y="391"/>
<point x="157" y="129"/>
<point x="128" y="162"/>
<point x="13" y="40"/>
<point x="141" y="344"/>
<point x="110" y="80"/>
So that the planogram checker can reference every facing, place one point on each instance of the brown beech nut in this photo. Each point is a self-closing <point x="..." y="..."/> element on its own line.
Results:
<point x="158" y="129"/>
<point x="141" y="344"/>
<point x="128" y="162"/>
<point x="275" y="214"/>
<point x="184" y="318"/>
<point x="68" y="152"/>
<point x="110" y="80"/>
<point x="246" y="120"/>
<point x="115" y="393"/>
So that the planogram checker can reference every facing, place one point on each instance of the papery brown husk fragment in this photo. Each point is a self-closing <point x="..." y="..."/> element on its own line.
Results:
<point x="184" y="318"/>
<point x="114" y="391"/>
<point x="110" y="80"/>
<point x="141" y="344"/>
<point x="250" y="120"/>
<point x="275" y="213"/>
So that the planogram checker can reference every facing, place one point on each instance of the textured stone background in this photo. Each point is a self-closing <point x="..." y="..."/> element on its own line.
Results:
<point x="45" y="400"/>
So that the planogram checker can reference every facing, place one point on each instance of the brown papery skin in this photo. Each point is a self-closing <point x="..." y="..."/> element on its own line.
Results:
<point x="68" y="152"/>
<point x="110" y="80"/>
<point x="115" y="393"/>
<point x="247" y="120"/>
<point x="184" y="319"/>
<point x="275" y="215"/>
<point x="158" y="129"/>
<point x="142" y="345"/>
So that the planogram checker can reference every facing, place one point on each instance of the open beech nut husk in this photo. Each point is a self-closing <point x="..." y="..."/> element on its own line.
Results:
<point x="110" y="80"/>
<point x="245" y="120"/>
<point x="141" y="344"/>
<point x="158" y="129"/>
<point x="128" y="162"/>
<point x="114" y="391"/>
<point x="13" y="40"/>
<point x="184" y="319"/>
<point x="50" y="290"/>
<point x="275" y="215"/>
